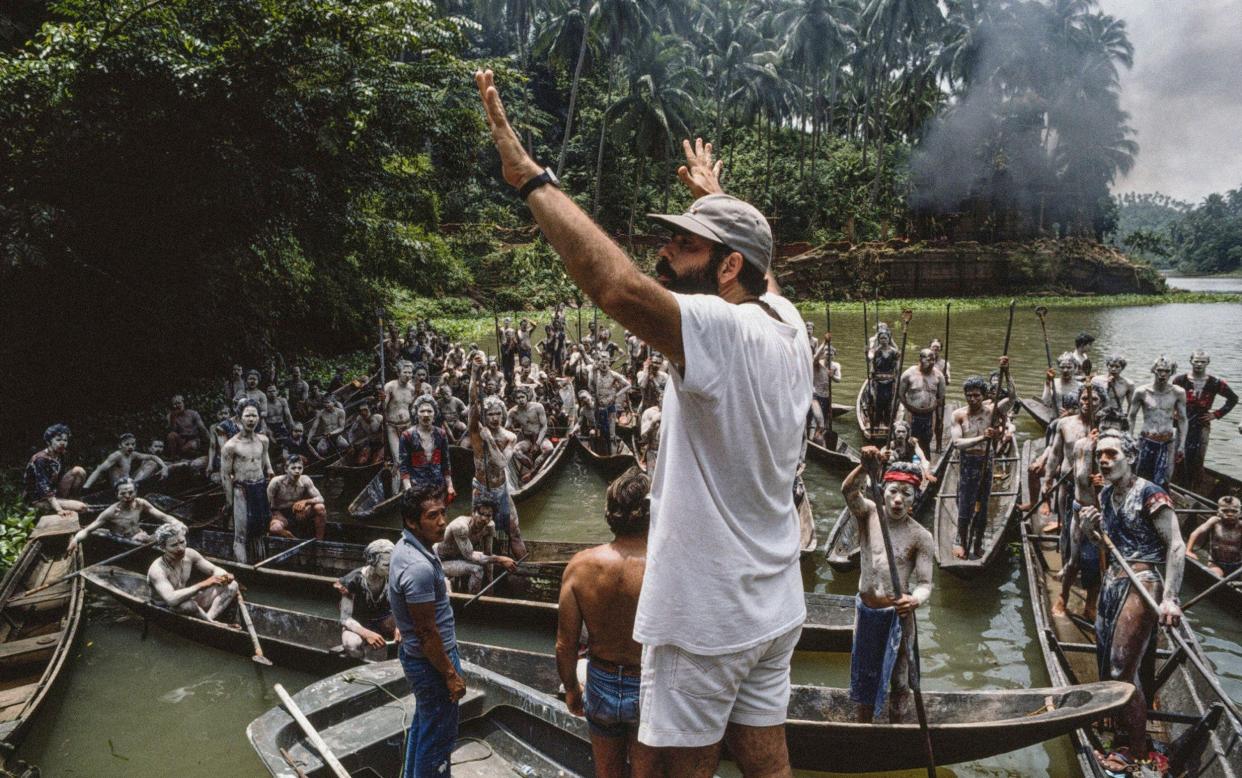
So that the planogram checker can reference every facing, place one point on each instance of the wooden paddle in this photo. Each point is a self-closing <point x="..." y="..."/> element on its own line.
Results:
<point x="76" y="573"/>
<point x="995" y="420"/>
<point x="830" y="437"/>
<point x="1041" y="312"/>
<point x="312" y="734"/>
<point x="877" y="496"/>
<point x="940" y="407"/>
<point x="379" y="314"/>
<point x="258" y="657"/>
<point x="495" y="581"/>
<point x="283" y="554"/>
<point x="1231" y="577"/>
<point x="867" y="356"/>
<point x="1191" y="652"/>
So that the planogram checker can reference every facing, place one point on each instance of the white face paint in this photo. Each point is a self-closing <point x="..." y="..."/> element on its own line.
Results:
<point x="426" y="415"/>
<point x="1199" y="365"/>
<point x="294" y="470"/>
<point x="898" y="497"/>
<point x="175" y="546"/>
<point x="1111" y="458"/>
<point x="128" y="445"/>
<point x="250" y="418"/>
<point x="126" y="493"/>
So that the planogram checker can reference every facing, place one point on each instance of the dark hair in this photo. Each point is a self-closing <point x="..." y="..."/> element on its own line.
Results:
<point x="627" y="505"/>
<point x="413" y="500"/>
<point x="1114" y="418"/>
<point x="750" y="277"/>
<point x="124" y="436"/>
<point x="483" y="501"/>
<point x="54" y="430"/>
<point x="1084" y="339"/>
<point x="294" y="459"/>
<point x="975" y="383"/>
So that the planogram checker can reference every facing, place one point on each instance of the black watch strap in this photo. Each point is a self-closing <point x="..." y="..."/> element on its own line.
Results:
<point x="546" y="177"/>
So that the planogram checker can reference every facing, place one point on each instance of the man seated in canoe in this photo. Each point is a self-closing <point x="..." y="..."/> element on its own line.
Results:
<point x="904" y="447"/>
<point x="327" y="431"/>
<point x="972" y="429"/>
<point x="1164" y="423"/>
<point x="600" y="590"/>
<point x="1081" y="556"/>
<point x="366" y="437"/>
<point x="1138" y="517"/>
<point x="127" y="462"/>
<point x="529" y="421"/>
<point x="493" y="447"/>
<point x="1225" y="546"/>
<point x="171" y="578"/>
<point x="186" y="430"/>
<point x="297" y="506"/>
<point x="460" y="551"/>
<point x="1062" y="384"/>
<point x="424" y="452"/>
<point x="452" y="412"/>
<point x="879" y="661"/>
<point x="921" y="392"/>
<point x="46" y="488"/>
<point x="123" y="516"/>
<point x="366" y="615"/>
<point x="298" y="444"/>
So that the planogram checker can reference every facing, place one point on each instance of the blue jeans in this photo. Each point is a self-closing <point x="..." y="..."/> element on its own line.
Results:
<point x="433" y="733"/>
<point x="610" y="702"/>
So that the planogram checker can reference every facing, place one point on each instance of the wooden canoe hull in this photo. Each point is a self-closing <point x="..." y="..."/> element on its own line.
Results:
<point x="1001" y="504"/>
<point x="525" y="598"/>
<point x="39" y="630"/>
<point x="820" y="731"/>
<point x="300" y="641"/>
<point x="1060" y="639"/>
<point x="844" y="456"/>
<point x="872" y="430"/>
<point x="608" y="466"/>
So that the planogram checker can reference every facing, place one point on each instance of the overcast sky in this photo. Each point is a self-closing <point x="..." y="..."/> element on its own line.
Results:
<point x="1184" y="95"/>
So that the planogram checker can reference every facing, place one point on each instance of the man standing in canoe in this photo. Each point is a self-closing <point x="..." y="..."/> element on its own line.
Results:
<point x="1164" y="423"/>
<point x="245" y="470"/>
<point x="718" y="627"/>
<point x="921" y="391"/>
<point x="1201" y="392"/>
<point x="1138" y="517"/>
<point x="878" y="659"/>
<point x="419" y="598"/>
<point x="972" y="428"/>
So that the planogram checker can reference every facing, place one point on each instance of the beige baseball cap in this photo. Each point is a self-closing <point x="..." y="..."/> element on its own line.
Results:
<point x="723" y="218"/>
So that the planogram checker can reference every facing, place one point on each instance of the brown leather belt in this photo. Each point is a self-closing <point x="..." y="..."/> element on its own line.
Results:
<point x="610" y="667"/>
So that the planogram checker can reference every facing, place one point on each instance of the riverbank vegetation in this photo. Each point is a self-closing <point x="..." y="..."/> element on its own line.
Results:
<point x="185" y="184"/>
<point x="1203" y="239"/>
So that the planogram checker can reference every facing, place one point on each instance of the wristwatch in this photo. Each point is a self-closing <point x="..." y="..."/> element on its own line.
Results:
<point x="546" y="177"/>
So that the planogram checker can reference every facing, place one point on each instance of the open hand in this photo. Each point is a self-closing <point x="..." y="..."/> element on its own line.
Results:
<point x="515" y="164"/>
<point x="700" y="175"/>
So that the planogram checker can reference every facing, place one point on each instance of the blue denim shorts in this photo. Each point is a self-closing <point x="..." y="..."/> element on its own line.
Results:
<point x="611" y="702"/>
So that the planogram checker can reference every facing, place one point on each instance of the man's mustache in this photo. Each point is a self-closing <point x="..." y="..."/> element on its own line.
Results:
<point x="665" y="270"/>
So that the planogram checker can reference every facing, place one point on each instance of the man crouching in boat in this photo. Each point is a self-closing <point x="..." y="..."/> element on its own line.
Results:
<point x="1138" y="516"/>
<point x="878" y="660"/>
<point x="600" y="588"/>
<point x="457" y="551"/>
<point x="122" y="517"/>
<point x="1226" y="533"/>
<point x="169" y="578"/>
<point x="366" y="614"/>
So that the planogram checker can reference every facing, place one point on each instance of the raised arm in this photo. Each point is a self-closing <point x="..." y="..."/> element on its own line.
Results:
<point x="596" y="264"/>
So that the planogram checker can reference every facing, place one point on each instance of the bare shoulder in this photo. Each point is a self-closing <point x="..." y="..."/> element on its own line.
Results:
<point x="923" y="538"/>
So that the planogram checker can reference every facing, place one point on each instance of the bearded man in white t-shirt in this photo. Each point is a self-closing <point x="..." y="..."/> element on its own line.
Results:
<point x="718" y="627"/>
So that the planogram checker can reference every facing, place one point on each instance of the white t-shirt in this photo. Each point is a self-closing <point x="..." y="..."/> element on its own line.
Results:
<point x="722" y="553"/>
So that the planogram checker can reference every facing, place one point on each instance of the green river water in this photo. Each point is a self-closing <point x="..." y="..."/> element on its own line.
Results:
<point x="164" y="706"/>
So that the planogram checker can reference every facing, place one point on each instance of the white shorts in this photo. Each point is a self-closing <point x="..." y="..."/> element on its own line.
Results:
<point x="686" y="700"/>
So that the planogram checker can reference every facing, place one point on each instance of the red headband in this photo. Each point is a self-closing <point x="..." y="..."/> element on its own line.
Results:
<point x="905" y="478"/>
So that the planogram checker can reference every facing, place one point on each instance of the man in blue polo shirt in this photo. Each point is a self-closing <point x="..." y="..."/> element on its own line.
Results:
<point x="418" y="594"/>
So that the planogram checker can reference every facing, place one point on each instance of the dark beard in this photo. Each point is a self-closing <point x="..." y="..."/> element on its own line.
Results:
<point x="701" y="281"/>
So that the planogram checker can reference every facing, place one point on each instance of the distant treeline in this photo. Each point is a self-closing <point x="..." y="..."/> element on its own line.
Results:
<point x="1170" y="233"/>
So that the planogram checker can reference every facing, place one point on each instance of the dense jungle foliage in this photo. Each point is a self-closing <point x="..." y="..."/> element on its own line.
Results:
<point x="184" y="184"/>
<point x="1169" y="233"/>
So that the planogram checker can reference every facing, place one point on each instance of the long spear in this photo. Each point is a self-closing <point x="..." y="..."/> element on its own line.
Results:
<point x="379" y="314"/>
<point x="869" y="388"/>
<point x="906" y="316"/>
<point x="831" y="438"/>
<point x="940" y="409"/>
<point x="994" y="420"/>
<point x="915" y="673"/>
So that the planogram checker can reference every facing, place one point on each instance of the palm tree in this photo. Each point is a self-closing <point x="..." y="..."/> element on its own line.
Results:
<point x="565" y="34"/>
<point x="658" y="107"/>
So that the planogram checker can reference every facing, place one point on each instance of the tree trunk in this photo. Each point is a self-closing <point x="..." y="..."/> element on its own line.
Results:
<point x="638" y="183"/>
<point x="599" y="158"/>
<point x="802" y="136"/>
<point x="767" y="168"/>
<point x="573" y="99"/>
<point x="815" y="103"/>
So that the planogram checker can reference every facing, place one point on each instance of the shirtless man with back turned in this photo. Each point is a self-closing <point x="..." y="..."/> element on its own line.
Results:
<point x="600" y="589"/>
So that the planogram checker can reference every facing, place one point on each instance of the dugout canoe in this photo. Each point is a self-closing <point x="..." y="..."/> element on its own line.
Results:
<point x="807" y="542"/>
<point x="842" y="547"/>
<point x="527" y="598"/>
<point x="1007" y="476"/>
<point x="1186" y="717"/>
<point x="842" y="456"/>
<point x="820" y="731"/>
<point x="872" y="430"/>
<point x="37" y="629"/>
<point x="300" y="641"/>
<point x="612" y="465"/>
<point x="520" y="489"/>
<point x="1228" y="596"/>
